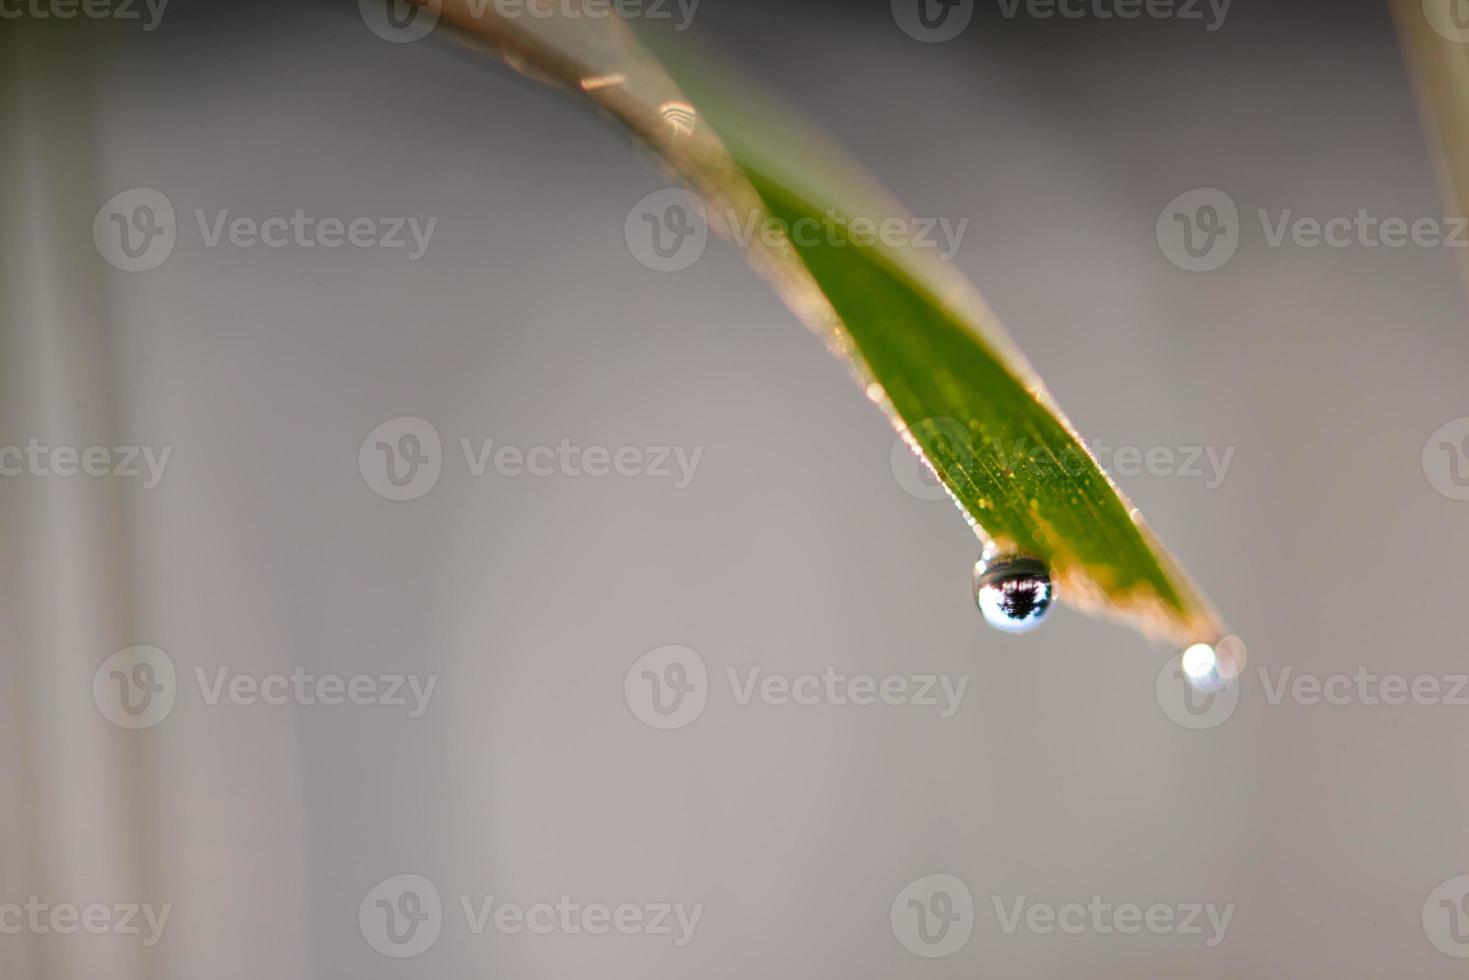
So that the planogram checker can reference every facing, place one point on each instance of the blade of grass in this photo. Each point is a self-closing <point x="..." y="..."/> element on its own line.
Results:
<point x="1435" y="39"/>
<point x="915" y="335"/>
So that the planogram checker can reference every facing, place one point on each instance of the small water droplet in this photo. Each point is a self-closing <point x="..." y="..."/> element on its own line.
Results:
<point x="1013" y="592"/>
<point x="1198" y="660"/>
<point x="1212" y="667"/>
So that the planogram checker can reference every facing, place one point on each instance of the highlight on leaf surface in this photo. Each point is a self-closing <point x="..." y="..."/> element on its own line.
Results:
<point x="915" y="335"/>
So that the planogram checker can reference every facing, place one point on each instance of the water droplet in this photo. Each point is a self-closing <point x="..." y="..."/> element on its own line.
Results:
<point x="1013" y="592"/>
<point x="1212" y="667"/>
<point x="1198" y="660"/>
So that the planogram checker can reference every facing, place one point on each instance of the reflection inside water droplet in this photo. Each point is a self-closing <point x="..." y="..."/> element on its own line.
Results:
<point x="1014" y="593"/>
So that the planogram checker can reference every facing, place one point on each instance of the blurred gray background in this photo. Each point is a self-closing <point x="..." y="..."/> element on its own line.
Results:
<point x="1326" y="827"/>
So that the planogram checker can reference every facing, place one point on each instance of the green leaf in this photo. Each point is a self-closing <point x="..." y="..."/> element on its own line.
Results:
<point x="1010" y="461"/>
<point x="915" y="335"/>
<point x="1436" y="43"/>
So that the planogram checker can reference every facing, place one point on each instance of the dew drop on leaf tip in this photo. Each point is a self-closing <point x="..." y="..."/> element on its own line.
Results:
<point x="1013" y="592"/>
<point x="1210" y="667"/>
